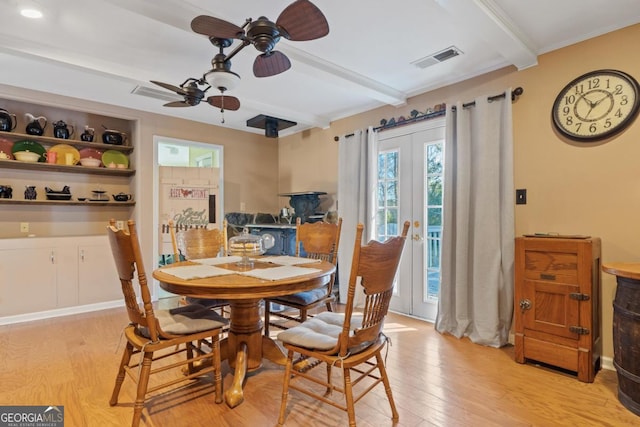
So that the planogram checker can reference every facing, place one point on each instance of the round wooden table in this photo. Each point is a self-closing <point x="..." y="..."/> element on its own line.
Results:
<point x="245" y="345"/>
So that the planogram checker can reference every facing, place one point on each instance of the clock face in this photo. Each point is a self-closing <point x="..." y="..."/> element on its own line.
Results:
<point x="596" y="105"/>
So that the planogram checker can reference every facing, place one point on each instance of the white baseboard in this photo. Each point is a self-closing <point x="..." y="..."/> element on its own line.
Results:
<point x="58" y="312"/>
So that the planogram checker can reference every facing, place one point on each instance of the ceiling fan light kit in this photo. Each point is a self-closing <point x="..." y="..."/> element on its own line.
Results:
<point x="300" y="21"/>
<point x="222" y="80"/>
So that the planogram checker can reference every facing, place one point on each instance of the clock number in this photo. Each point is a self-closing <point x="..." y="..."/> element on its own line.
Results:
<point x="607" y="123"/>
<point x="569" y="120"/>
<point x="618" y="90"/>
<point x="570" y="99"/>
<point x="594" y="83"/>
<point x="624" y="100"/>
<point x="593" y="128"/>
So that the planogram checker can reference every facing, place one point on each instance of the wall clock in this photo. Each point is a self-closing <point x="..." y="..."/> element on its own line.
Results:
<point x="596" y="105"/>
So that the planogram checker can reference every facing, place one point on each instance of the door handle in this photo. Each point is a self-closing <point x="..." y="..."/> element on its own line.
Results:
<point x="525" y="304"/>
<point x="416" y="237"/>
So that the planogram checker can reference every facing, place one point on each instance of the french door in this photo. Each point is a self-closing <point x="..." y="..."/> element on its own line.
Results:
<point x="410" y="185"/>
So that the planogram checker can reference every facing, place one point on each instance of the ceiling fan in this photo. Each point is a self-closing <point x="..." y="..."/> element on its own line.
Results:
<point x="300" y="21"/>
<point x="225" y="79"/>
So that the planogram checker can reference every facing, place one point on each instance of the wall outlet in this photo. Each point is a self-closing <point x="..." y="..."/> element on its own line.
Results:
<point x="521" y="196"/>
<point x="120" y="225"/>
<point x="24" y="227"/>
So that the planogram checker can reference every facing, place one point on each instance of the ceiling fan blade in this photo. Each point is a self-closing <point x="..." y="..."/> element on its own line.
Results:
<point x="177" y="104"/>
<point x="214" y="27"/>
<point x="224" y="102"/>
<point x="172" y="88"/>
<point x="270" y="64"/>
<point x="302" y="21"/>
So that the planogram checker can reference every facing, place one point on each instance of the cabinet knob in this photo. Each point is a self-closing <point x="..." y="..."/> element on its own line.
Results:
<point x="525" y="304"/>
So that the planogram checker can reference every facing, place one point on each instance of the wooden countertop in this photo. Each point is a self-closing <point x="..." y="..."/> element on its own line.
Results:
<point x="630" y="270"/>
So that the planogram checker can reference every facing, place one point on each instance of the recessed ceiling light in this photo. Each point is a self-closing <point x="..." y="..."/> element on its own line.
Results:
<point x="30" y="9"/>
<point x="31" y="13"/>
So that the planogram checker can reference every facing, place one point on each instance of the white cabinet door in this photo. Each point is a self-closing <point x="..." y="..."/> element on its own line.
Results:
<point x="28" y="280"/>
<point x="97" y="276"/>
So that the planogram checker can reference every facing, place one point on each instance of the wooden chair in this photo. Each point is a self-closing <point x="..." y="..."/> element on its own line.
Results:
<point x="318" y="240"/>
<point x="199" y="243"/>
<point x="350" y="341"/>
<point x="153" y="335"/>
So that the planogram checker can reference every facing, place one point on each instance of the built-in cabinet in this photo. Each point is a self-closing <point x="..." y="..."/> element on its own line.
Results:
<point x="557" y="303"/>
<point x="41" y="274"/>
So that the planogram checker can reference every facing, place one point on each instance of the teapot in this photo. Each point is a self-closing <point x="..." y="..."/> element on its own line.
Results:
<point x="30" y="192"/>
<point x="6" y="192"/>
<point x="113" y="137"/>
<point x="122" y="197"/>
<point x="87" y="135"/>
<point x="61" y="130"/>
<point x="35" y="125"/>
<point x="7" y="121"/>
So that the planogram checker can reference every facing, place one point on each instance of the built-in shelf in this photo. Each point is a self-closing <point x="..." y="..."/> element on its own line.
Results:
<point x="75" y="142"/>
<point x="64" y="202"/>
<point x="49" y="167"/>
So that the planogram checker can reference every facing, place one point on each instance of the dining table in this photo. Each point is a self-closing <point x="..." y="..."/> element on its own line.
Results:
<point x="245" y="286"/>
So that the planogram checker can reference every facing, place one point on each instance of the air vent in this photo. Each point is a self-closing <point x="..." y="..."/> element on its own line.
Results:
<point x="438" y="57"/>
<point x="162" y="95"/>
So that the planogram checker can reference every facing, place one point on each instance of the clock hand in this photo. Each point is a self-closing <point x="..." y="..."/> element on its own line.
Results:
<point x="592" y="105"/>
<point x="601" y="99"/>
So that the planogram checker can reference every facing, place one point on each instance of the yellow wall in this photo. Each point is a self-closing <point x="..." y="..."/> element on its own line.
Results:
<point x="572" y="188"/>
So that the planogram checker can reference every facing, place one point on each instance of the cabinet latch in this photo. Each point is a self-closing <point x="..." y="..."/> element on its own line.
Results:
<point x="579" y="330"/>
<point x="579" y="296"/>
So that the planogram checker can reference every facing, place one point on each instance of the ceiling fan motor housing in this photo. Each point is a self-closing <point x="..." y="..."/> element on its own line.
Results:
<point x="263" y="34"/>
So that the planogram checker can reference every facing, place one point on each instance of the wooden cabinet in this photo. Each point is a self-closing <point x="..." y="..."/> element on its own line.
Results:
<point x="41" y="274"/>
<point x="557" y="303"/>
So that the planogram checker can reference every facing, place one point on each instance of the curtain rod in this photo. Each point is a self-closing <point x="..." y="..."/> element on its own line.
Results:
<point x="514" y="95"/>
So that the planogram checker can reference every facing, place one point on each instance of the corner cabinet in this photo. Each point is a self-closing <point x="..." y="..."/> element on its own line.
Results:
<point x="557" y="303"/>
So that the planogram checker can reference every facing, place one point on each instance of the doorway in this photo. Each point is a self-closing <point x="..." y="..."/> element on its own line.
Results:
<point x="410" y="186"/>
<point x="185" y="172"/>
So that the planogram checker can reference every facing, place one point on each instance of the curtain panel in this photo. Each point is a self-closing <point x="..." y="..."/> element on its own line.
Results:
<point x="476" y="294"/>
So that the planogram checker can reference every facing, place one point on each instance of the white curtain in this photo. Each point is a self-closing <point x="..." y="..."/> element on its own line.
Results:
<point x="476" y="295"/>
<point x="357" y="170"/>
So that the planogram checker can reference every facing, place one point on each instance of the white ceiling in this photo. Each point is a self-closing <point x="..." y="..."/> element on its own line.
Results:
<point x="103" y="49"/>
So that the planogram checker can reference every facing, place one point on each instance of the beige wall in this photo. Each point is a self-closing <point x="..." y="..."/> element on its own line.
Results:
<point x="572" y="188"/>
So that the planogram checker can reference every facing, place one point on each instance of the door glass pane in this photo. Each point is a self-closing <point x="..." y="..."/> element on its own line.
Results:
<point x="433" y="210"/>
<point x="387" y="214"/>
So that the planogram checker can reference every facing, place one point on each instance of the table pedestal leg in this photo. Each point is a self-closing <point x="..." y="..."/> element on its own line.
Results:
<point x="234" y="396"/>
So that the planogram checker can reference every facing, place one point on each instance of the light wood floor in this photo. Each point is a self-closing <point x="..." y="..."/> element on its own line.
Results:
<point x="436" y="380"/>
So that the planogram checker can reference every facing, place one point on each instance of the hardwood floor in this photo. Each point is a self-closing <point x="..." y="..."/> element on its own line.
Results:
<point x="436" y="381"/>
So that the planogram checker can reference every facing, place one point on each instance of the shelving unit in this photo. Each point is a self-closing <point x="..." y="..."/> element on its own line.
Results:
<point x="75" y="169"/>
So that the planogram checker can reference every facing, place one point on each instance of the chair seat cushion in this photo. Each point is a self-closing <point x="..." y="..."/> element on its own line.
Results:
<point x="304" y="298"/>
<point x="320" y="332"/>
<point x="207" y="302"/>
<point x="188" y="319"/>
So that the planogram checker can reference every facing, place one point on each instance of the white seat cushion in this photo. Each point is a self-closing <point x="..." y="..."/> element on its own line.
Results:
<point x="187" y="319"/>
<point x="320" y="332"/>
